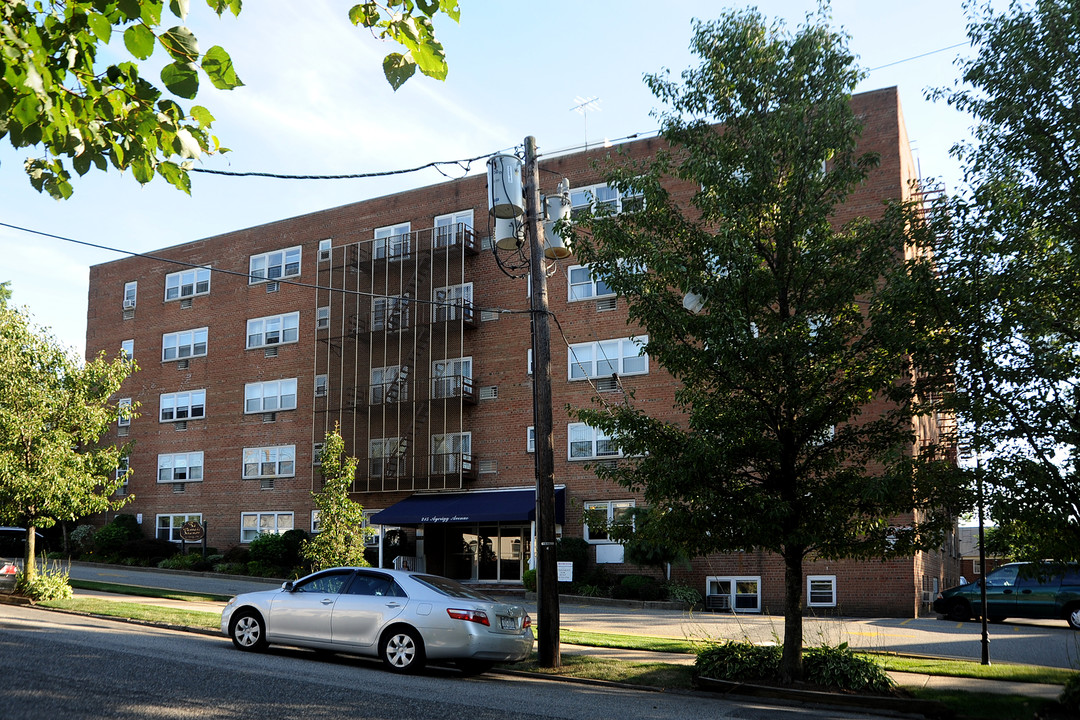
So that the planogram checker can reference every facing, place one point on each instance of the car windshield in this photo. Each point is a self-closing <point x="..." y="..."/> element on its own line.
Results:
<point x="451" y="588"/>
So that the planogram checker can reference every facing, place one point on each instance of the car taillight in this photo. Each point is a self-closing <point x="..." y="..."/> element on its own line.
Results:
<point x="527" y="622"/>
<point x="9" y="569"/>
<point x="476" y="616"/>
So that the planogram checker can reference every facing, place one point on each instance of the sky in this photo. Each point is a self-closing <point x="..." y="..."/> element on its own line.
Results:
<point x="315" y="102"/>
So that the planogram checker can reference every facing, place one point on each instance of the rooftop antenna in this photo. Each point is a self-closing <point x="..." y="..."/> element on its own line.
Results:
<point x="584" y="105"/>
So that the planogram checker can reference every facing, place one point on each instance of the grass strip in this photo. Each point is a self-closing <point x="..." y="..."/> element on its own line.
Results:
<point x="970" y="669"/>
<point x="990" y="707"/>
<point x="146" y="591"/>
<point x="138" y="611"/>
<point x="630" y="642"/>
<point x="660" y="675"/>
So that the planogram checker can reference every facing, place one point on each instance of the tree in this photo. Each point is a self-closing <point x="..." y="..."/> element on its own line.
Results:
<point x="1009" y="263"/>
<point x="53" y="411"/>
<point x="340" y="540"/>
<point x="56" y="93"/>
<point x="806" y="323"/>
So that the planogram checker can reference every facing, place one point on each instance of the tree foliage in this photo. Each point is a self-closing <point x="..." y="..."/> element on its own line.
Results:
<point x="53" y="411"/>
<point x="65" y="88"/>
<point x="1010" y="260"/>
<point x="340" y="540"/>
<point x="806" y="321"/>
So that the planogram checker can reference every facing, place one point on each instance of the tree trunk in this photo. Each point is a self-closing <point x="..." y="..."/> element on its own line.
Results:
<point x="29" y="571"/>
<point x="791" y="669"/>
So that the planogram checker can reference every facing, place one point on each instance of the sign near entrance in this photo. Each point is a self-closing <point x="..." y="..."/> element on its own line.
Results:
<point x="566" y="571"/>
<point x="191" y="531"/>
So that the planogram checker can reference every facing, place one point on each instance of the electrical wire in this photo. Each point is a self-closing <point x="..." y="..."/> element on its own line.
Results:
<point x="465" y="165"/>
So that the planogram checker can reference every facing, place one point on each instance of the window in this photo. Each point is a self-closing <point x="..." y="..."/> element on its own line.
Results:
<point x="587" y="443"/>
<point x="451" y="453"/>
<point x="168" y="526"/>
<point x="821" y="591"/>
<point x="180" y="467"/>
<point x="273" y="330"/>
<point x="605" y="513"/>
<point x="451" y="229"/>
<point x="123" y="465"/>
<point x="184" y="344"/>
<point x="127" y="349"/>
<point x="130" y="290"/>
<point x="372" y="533"/>
<point x="453" y="302"/>
<point x="322" y="318"/>
<point x="603" y="200"/>
<point x="388" y="384"/>
<point x="316" y="526"/>
<point x="582" y="285"/>
<point x="254" y="524"/>
<point x="608" y="357"/>
<point x="390" y="312"/>
<point x="270" y="462"/>
<point x="530" y="439"/>
<point x="188" y="405"/>
<point x="123" y="409"/>
<point x="741" y="594"/>
<point x="324" y="249"/>
<point x="320" y="386"/>
<point x="316" y="453"/>
<point x="187" y="283"/>
<point x="274" y="265"/>
<point x="270" y="396"/>
<point x="393" y="241"/>
<point x="386" y="457"/>
<point x="451" y="378"/>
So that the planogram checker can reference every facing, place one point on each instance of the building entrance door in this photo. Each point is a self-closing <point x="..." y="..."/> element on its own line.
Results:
<point x="493" y="553"/>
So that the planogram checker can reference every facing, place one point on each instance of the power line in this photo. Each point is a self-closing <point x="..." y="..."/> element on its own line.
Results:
<point x="464" y="164"/>
<point x="916" y="57"/>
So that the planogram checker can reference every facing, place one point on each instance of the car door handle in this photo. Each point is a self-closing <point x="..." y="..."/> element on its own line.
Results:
<point x="327" y="601"/>
<point x="1025" y="592"/>
<point x="393" y="604"/>
<point x="1006" y="592"/>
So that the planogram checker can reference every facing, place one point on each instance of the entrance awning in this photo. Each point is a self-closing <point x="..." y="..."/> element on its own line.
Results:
<point x="468" y="507"/>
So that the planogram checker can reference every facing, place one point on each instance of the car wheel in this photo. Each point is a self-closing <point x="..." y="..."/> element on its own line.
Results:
<point x="995" y="619"/>
<point x="401" y="650"/>
<point x="248" y="631"/>
<point x="474" y="667"/>
<point x="959" y="612"/>
<point x="1073" y="617"/>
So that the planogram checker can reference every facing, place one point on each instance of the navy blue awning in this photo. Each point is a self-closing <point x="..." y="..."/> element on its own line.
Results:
<point x="467" y="507"/>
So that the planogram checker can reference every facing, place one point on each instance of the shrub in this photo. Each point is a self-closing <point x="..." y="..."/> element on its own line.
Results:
<point x="148" y="551"/>
<point x="528" y="579"/>
<point x="575" y="550"/>
<point x="586" y="590"/>
<point x="180" y="562"/>
<point x="740" y="661"/>
<point x="109" y="540"/>
<point x="1070" y="696"/>
<point x="82" y="540"/>
<point x="682" y="593"/>
<point x="292" y="542"/>
<point x="237" y="554"/>
<point x="231" y="568"/>
<point x="50" y="583"/>
<point x="269" y="549"/>
<point x="639" y="587"/>
<point x="838" y="667"/>
<point x="257" y="568"/>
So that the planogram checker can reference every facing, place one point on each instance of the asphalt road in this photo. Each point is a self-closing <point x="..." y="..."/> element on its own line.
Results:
<point x="66" y="666"/>
<point x="1035" y="642"/>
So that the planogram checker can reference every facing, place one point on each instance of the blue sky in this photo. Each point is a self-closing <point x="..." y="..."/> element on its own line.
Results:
<point x="315" y="102"/>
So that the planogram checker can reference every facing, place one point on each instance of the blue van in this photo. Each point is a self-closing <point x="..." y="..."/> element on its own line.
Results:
<point x="1019" y="590"/>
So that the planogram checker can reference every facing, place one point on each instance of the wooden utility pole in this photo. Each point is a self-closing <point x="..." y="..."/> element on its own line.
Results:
<point x="547" y="581"/>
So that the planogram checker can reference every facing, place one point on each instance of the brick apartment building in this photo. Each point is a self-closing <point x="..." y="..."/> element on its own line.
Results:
<point x="390" y="318"/>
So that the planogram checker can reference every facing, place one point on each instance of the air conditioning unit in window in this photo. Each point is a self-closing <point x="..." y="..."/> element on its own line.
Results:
<point x="717" y="602"/>
<point x="129" y="304"/>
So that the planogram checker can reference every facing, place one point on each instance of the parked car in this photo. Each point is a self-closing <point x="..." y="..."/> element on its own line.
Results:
<point x="1021" y="590"/>
<point x="13" y="543"/>
<point x="403" y="618"/>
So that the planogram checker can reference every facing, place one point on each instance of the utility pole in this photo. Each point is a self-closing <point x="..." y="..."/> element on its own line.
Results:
<point x="547" y="581"/>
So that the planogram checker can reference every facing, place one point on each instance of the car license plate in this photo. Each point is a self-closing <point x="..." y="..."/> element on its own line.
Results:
<point x="507" y="623"/>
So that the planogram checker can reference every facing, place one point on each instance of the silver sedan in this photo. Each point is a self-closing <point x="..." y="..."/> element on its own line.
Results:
<point x="404" y="618"/>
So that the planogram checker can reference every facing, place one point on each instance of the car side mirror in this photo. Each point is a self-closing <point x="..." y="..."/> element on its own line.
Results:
<point x="287" y="586"/>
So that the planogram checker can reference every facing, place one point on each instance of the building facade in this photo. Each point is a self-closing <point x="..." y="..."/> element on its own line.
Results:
<point x="390" y="319"/>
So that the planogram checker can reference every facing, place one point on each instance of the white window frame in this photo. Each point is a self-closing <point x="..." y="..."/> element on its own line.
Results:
<point x="381" y="380"/>
<point x="530" y="439"/>
<point x="382" y="449"/>
<point x="322" y="318"/>
<point x="192" y="462"/>
<point x="811" y="580"/>
<point x="184" y="405"/>
<point x="373" y="537"/>
<point x="184" y="344"/>
<point x="579" y="433"/>
<point x="450" y="384"/>
<point x="599" y="359"/>
<point x="734" y="594"/>
<point x="384" y="307"/>
<point x="131" y="292"/>
<point x="252" y="524"/>
<point x="127" y="349"/>
<point x="322" y="385"/>
<point x="281" y="457"/>
<point x="450" y="452"/>
<point x="279" y="390"/>
<point x="393" y="242"/>
<point x="121" y="420"/>
<point x="325" y="249"/>
<point x="188" y="283"/>
<point x="123" y="465"/>
<point x="581" y="284"/>
<point x="316" y="526"/>
<point x="176" y="521"/>
<point x="450" y="229"/>
<point x="583" y="198"/>
<point x="262" y="330"/>
<point x="612" y="508"/>
<point x="453" y="302"/>
<point x="274" y="265"/>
